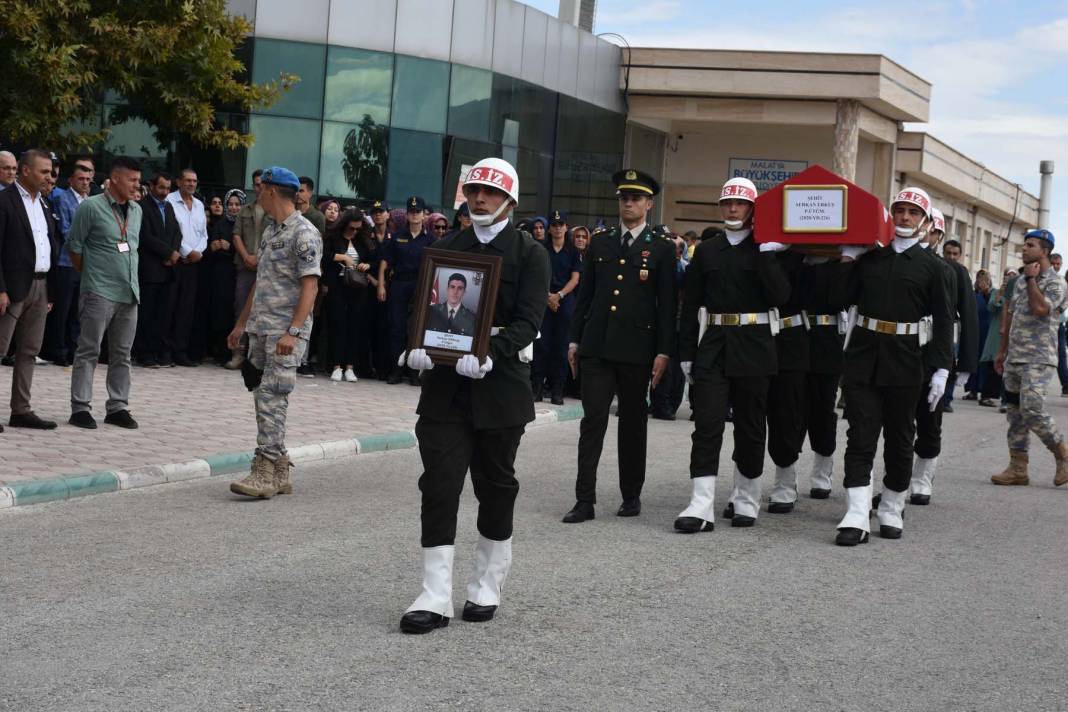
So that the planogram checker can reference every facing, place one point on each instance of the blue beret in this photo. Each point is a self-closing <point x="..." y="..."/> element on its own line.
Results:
<point x="1041" y="234"/>
<point x="277" y="175"/>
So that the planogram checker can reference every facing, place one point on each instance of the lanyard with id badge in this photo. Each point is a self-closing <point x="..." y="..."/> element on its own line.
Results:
<point x="123" y="244"/>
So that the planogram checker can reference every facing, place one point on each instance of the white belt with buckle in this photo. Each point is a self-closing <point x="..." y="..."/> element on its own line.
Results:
<point x="823" y="319"/>
<point x="896" y="328"/>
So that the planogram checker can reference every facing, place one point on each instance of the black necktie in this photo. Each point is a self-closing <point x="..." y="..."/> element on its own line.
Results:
<point x="626" y="239"/>
<point x="452" y="313"/>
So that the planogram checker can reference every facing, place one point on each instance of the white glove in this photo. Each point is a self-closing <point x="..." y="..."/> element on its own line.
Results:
<point x="853" y="251"/>
<point x="687" y="366"/>
<point x="962" y="378"/>
<point x="469" y="366"/>
<point x="773" y="247"/>
<point x="403" y="359"/>
<point x="938" y="388"/>
<point x="418" y="360"/>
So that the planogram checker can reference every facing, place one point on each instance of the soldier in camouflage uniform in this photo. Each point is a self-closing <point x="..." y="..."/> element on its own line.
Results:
<point x="277" y="317"/>
<point x="1028" y="359"/>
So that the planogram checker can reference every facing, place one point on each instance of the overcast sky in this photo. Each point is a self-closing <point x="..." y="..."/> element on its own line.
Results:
<point x="999" y="70"/>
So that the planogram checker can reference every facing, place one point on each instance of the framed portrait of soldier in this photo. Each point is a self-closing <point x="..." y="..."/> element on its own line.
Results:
<point x="453" y="304"/>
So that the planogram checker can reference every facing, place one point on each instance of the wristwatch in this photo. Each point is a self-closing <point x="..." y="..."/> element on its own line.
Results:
<point x="294" y="331"/>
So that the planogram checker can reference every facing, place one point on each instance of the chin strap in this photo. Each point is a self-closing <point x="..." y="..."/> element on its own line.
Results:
<point x="487" y="220"/>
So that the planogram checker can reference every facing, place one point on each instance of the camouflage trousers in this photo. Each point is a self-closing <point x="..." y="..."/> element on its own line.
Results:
<point x="1025" y="394"/>
<point x="272" y="395"/>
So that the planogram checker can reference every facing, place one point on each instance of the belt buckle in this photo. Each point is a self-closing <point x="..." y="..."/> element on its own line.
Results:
<point x="730" y="319"/>
<point x="885" y="327"/>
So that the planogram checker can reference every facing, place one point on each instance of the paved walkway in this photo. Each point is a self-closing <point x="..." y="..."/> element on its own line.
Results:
<point x="188" y="413"/>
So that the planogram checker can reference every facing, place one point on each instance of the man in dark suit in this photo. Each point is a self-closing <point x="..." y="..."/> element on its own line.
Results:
<point x="161" y="238"/>
<point x="29" y="250"/>
<point x="473" y="415"/>
<point x="451" y="316"/>
<point x="623" y="332"/>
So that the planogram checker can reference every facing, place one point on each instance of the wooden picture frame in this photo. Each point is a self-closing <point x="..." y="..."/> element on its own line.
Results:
<point x="447" y="339"/>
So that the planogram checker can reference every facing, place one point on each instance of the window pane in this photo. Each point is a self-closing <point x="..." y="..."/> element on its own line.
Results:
<point x="133" y="138"/>
<point x="292" y="143"/>
<point x="354" y="160"/>
<point x="469" y="102"/>
<point x="589" y="143"/>
<point x="420" y="94"/>
<point x="307" y="61"/>
<point x="358" y="84"/>
<point x="414" y="166"/>
<point x="218" y="169"/>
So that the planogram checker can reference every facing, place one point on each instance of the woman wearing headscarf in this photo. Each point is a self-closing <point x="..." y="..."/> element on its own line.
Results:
<point x="217" y="276"/>
<point x="437" y="225"/>
<point x="539" y="229"/>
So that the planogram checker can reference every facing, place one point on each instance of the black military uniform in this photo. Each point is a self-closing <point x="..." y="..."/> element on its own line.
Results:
<point x="788" y="394"/>
<point x="824" y="369"/>
<point x="928" y="445"/>
<point x="885" y="368"/>
<point x="736" y="359"/>
<point x="624" y="319"/>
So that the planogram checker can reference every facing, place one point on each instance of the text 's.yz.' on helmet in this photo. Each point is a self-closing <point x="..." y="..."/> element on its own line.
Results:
<point x="914" y="196"/>
<point x="496" y="173"/>
<point x="938" y="221"/>
<point x="739" y="189"/>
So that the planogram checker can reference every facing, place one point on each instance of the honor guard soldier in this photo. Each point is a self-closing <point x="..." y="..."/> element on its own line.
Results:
<point x="741" y="285"/>
<point x="1028" y="358"/>
<point x="966" y="341"/>
<point x="902" y="304"/>
<point x="278" y="319"/>
<point x="826" y="327"/>
<point x="401" y="257"/>
<point x="621" y="336"/>
<point x="472" y="416"/>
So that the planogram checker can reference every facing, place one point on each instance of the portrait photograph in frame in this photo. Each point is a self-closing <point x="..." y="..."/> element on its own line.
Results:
<point x="453" y="304"/>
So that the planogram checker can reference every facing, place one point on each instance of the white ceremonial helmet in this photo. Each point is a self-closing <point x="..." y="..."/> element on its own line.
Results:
<point x="919" y="198"/>
<point x="496" y="173"/>
<point x="738" y="189"/>
<point x="938" y="221"/>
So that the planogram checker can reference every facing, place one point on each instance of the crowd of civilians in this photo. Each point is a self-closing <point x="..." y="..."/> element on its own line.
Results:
<point x="197" y="263"/>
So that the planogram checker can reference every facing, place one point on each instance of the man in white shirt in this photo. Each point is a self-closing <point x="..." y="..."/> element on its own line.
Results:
<point x="28" y="252"/>
<point x="194" y="225"/>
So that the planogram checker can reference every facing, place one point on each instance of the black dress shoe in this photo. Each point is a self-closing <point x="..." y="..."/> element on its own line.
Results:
<point x="184" y="362"/>
<point x="121" y="418"/>
<point x="30" y="420"/>
<point x="888" y="532"/>
<point x="395" y="377"/>
<point x="478" y="614"/>
<point x="557" y="399"/>
<point x="728" y="511"/>
<point x="740" y="520"/>
<point x="848" y="536"/>
<point x="693" y="525"/>
<point x="413" y="379"/>
<point x="920" y="499"/>
<point x="816" y="493"/>
<point x="631" y="507"/>
<point x="780" y="507"/>
<point x="947" y="408"/>
<point x="166" y="362"/>
<point x="83" y="419"/>
<point x="538" y="394"/>
<point x="419" y="622"/>
<point x="657" y="415"/>
<point x="579" y="513"/>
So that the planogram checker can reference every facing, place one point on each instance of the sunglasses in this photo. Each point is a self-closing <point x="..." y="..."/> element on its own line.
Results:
<point x="441" y="228"/>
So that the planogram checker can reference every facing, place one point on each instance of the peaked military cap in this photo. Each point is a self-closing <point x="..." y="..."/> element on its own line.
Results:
<point x="415" y="204"/>
<point x="630" y="180"/>
<point x="557" y="216"/>
<point x="379" y="206"/>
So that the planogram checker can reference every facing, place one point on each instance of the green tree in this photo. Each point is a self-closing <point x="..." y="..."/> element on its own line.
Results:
<point x="173" y="61"/>
<point x="364" y="158"/>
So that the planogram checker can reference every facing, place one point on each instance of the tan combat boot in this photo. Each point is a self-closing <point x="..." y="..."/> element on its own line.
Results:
<point x="1061" y="454"/>
<point x="1016" y="472"/>
<point x="281" y="475"/>
<point x="260" y="482"/>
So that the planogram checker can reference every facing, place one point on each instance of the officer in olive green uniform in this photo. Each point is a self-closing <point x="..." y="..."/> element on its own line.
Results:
<point x="1028" y="359"/>
<point x="741" y="284"/>
<point x="824" y="369"/>
<point x="894" y="289"/>
<point x="622" y="333"/>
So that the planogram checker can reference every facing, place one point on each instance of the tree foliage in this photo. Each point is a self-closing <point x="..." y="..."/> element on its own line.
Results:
<point x="173" y="61"/>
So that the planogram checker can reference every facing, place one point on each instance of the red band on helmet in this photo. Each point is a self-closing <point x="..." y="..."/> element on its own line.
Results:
<point x="738" y="191"/>
<point x="908" y="196"/>
<point x="492" y="177"/>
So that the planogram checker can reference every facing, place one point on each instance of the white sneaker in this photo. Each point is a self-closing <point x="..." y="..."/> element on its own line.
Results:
<point x="336" y="374"/>
<point x="350" y="376"/>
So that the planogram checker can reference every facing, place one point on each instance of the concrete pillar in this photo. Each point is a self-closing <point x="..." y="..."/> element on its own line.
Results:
<point x="885" y="165"/>
<point x="846" y="138"/>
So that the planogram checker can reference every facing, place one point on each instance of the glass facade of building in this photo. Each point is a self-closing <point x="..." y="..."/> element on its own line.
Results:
<point x="366" y="124"/>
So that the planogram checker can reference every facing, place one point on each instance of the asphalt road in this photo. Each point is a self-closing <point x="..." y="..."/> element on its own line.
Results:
<point x="184" y="597"/>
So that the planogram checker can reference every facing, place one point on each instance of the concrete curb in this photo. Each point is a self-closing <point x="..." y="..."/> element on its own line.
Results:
<point x="20" y="494"/>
